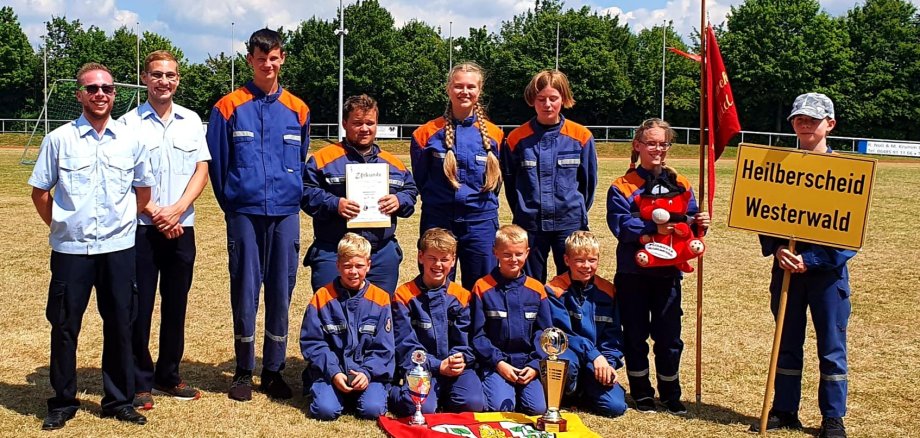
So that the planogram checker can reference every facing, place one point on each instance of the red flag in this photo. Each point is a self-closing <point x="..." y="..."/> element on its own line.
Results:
<point x="689" y="56"/>
<point x="721" y="112"/>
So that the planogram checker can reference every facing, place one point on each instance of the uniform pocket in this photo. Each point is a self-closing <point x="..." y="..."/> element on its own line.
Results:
<point x="292" y="162"/>
<point x="56" y="311"/>
<point x="184" y="157"/>
<point x="233" y="258"/>
<point x="120" y="173"/>
<point x="76" y="174"/>
<point x="243" y="148"/>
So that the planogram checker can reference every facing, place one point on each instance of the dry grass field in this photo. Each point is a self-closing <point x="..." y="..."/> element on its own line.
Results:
<point x="883" y="340"/>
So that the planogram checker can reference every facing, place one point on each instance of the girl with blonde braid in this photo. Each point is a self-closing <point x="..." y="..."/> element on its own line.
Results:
<point x="455" y="164"/>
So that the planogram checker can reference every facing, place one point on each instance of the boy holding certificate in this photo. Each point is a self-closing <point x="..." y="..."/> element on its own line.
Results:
<point x="327" y="202"/>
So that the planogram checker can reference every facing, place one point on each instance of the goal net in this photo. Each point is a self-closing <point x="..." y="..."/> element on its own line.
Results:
<point x="62" y="107"/>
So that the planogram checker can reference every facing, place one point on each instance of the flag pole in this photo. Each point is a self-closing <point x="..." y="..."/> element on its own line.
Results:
<point x="704" y="123"/>
<point x="774" y="354"/>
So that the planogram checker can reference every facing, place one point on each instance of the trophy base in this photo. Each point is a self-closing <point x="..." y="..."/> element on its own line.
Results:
<point x="558" y="426"/>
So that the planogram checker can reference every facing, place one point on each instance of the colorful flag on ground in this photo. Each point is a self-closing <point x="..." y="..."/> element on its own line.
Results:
<point x="481" y="425"/>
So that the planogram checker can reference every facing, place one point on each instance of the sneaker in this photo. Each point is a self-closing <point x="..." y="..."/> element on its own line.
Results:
<point x="832" y="427"/>
<point x="675" y="407"/>
<point x="274" y="386"/>
<point x="779" y="420"/>
<point x="143" y="401"/>
<point x="646" y="405"/>
<point x="241" y="388"/>
<point x="182" y="391"/>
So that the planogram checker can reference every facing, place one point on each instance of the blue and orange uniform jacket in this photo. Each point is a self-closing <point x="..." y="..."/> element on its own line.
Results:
<point x="258" y="146"/>
<point x="348" y="330"/>
<point x="324" y="184"/>
<point x="550" y="175"/>
<point x="427" y="150"/>
<point x="589" y="315"/>
<point x="508" y="319"/>
<point x="434" y="320"/>
<point x="625" y="223"/>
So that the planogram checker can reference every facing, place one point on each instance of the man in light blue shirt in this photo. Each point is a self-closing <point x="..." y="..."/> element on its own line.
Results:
<point x="101" y="178"/>
<point x="165" y="246"/>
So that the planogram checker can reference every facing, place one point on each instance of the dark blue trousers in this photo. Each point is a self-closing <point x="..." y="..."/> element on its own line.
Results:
<point x="169" y="262"/>
<point x="828" y="297"/>
<point x="650" y="306"/>
<point x="475" y="242"/>
<point x="263" y="250"/>
<point x="73" y="277"/>
<point x="452" y="394"/>
<point x="384" y="272"/>
<point x="541" y="242"/>
<point x="327" y="403"/>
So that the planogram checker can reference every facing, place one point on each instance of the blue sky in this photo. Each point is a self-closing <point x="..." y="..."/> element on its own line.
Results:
<point x="202" y="27"/>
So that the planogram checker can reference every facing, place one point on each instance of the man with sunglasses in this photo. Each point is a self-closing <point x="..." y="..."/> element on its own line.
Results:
<point x="166" y="237"/>
<point x="101" y="178"/>
<point x="258" y="136"/>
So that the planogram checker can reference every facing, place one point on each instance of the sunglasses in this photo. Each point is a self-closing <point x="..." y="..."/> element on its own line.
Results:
<point x="93" y="89"/>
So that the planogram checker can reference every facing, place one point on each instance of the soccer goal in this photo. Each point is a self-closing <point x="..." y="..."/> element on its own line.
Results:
<point x="61" y="106"/>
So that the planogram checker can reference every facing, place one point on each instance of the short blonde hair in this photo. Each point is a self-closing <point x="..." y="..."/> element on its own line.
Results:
<point x="550" y="78"/>
<point x="91" y="66"/>
<point x="509" y="235"/>
<point x="438" y="239"/>
<point x="159" y="55"/>
<point x="353" y="245"/>
<point x="582" y="242"/>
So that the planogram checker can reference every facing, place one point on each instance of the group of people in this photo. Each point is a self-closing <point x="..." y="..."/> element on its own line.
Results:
<point x="122" y="221"/>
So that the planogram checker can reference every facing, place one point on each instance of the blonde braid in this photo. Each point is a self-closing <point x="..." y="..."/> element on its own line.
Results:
<point x="493" y="176"/>
<point x="450" y="158"/>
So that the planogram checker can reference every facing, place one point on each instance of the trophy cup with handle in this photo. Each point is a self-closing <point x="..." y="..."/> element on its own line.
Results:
<point x="419" y="381"/>
<point x="552" y="373"/>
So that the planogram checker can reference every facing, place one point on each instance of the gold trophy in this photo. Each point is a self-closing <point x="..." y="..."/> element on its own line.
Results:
<point x="419" y="380"/>
<point x="552" y="373"/>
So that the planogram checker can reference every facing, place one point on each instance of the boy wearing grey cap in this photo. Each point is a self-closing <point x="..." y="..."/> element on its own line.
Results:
<point x="819" y="281"/>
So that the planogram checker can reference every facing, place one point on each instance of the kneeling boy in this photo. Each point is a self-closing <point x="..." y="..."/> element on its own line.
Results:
<point x="582" y="305"/>
<point x="431" y="313"/>
<point x="347" y="338"/>
<point x="510" y="311"/>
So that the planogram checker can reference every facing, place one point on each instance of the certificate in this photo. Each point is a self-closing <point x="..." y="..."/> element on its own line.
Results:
<point x="366" y="183"/>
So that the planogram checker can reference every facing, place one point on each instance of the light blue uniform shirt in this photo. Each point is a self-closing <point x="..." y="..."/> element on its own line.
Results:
<point x="95" y="208"/>
<point x="176" y="145"/>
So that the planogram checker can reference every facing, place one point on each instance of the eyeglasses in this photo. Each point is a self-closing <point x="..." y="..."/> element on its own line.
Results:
<point x="663" y="145"/>
<point x="93" y="89"/>
<point x="170" y="76"/>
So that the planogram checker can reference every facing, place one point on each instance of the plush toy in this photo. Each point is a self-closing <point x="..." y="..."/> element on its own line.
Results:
<point x="665" y="202"/>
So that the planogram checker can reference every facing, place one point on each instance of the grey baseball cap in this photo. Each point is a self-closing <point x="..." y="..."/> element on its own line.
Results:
<point x="815" y="105"/>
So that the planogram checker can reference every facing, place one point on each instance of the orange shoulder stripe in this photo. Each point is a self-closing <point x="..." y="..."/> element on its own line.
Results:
<point x="390" y="158"/>
<point x="459" y="292"/>
<point x="683" y="182"/>
<point x="629" y="183"/>
<point x="323" y="296"/>
<point x="519" y="133"/>
<point x="536" y="286"/>
<point x="484" y="284"/>
<point x="560" y="284"/>
<point x="495" y="132"/>
<point x="576" y="131"/>
<point x="407" y="292"/>
<point x="377" y="295"/>
<point x="295" y="104"/>
<point x="229" y="103"/>
<point x="428" y="130"/>
<point x="328" y="154"/>
<point x="605" y="286"/>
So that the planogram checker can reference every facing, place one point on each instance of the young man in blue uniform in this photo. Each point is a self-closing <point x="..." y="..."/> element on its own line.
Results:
<point x="347" y="339"/>
<point x="819" y="281"/>
<point x="258" y="137"/>
<point x="165" y="241"/>
<point x="509" y="312"/>
<point x="101" y="177"/>
<point x="583" y="307"/>
<point x="431" y="313"/>
<point x="324" y="199"/>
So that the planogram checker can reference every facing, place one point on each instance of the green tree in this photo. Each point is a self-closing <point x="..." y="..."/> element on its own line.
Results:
<point x="18" y="65"/>
<point x="202" y="85"/>
<point x="422" y="59"/>
<point x="885" y="97"/>
<point x="120" y="55"/>
<point x="778" y="49"/>
<point x="311" y="67"/>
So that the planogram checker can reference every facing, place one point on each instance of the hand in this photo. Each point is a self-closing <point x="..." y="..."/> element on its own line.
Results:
<point x="526" y="375"/>
<point x="702" y="220"/>
<point x="790" y="261"/>
<point x="507" y="371"/>
<point x="348" y="209"/>
<point x="665" y="229"/>
<point x="340" y="381"/>
<point x="603" y="372"/>
<point x="360" y="381"/>
<point x="388" y="204"/>
<point x="174" y="232"/>
<point x="457" y="363"/>
<point x="167" y="217"/>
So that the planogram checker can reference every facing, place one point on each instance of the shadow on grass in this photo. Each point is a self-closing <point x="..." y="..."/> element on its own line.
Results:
<point x="216" y="378"/>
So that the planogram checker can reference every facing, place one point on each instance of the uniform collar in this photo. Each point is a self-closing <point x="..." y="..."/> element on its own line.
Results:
<point x="83" y="127"/>
<point x="146" y="111"/>
<point x="500" y="279"/>
<point x="344" y="294"/>
<point x="542" y="129"/>
<point x="350" y="150"/>
<point x="420" y="283"/>
<point x="258" y="94"/>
